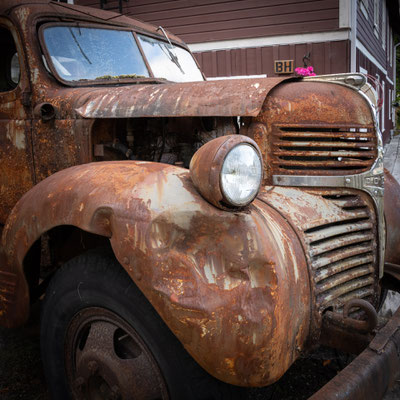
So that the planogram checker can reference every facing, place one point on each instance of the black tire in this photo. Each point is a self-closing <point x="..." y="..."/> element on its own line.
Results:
<point x="94" y="286"/>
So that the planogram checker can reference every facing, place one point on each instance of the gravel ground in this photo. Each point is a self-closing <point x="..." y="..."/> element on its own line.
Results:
<point x="21" y="375"/>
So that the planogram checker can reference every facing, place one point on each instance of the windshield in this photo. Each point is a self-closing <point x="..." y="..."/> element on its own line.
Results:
<point x="90" y="53"/>
<point x="169" y="61"/>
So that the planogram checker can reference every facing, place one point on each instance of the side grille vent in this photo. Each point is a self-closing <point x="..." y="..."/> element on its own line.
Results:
<point x="322" y="150"/>
<point x="343" y="253"/>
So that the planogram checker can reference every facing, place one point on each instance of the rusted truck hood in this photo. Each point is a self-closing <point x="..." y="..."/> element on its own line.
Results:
<point x="238" y="97"/>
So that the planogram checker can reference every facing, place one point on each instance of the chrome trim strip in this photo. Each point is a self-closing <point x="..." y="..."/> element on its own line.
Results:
<point x="371" y="182"/>
<point x="353" y="80"/>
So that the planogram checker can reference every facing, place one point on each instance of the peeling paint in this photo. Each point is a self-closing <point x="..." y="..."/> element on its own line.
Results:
<point x="16" y="134"/>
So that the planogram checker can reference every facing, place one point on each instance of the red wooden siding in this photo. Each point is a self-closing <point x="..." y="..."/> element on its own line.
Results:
<point x="372" y="69"/>
<point x="212" y="20"/>
<point x="366" y="35"/>
<point x="326" y="58"/>
<point x="372" y="43"/>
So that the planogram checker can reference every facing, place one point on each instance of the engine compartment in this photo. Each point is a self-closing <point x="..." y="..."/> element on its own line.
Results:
<point x="166" y="140"/>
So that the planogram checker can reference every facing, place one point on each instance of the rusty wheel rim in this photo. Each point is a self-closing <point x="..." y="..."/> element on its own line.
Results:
<point x="106" y="359"/>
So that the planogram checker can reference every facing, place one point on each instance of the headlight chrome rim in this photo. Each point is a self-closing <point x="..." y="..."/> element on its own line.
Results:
<point x="228" y="196"/>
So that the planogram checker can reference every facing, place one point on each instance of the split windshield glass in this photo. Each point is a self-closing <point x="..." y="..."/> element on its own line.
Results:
<point x="79" y="53"/>
<point x="89" y="54"/>
<point x="169" y="61"/>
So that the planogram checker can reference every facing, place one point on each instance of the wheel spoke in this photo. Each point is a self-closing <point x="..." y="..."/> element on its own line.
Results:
<point x="99" y="340"/>
<point x="143" y="380"/>
<point x="122" y="354"/>
<point x="101" y="337"/>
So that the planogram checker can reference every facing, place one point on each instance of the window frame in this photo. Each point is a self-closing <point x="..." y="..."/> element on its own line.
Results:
<point x="166" y="42"/>
<point x="24" y="83"/>
<point x="384" y="25"/>
<point x="376" y="18"/>
<point x="8" y="60"/>
<point x="150" y="79"/>
<point x="364" y="7"/>
<point x="89" y="82"/>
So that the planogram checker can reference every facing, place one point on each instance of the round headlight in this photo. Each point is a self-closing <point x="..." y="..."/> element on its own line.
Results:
<point x="241" y="175"/>
<point x="228" y="171"/>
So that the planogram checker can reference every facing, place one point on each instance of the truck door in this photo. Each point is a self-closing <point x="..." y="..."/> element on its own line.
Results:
<point x="16" y="161"/>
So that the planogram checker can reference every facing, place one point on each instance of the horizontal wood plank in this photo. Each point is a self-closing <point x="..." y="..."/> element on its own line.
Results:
<point x="208" y="20"/>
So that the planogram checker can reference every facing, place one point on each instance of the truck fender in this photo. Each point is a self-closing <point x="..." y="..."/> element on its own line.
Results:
<point x="232" y="286"/>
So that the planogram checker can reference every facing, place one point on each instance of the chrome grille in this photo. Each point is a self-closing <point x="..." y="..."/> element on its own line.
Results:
<point x="316" y="150"/>
<point x="343" y="253"/>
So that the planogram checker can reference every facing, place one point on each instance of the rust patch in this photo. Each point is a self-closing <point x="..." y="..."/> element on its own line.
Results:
<point x="213" y="98"/>
<point x="338" y="232"/>
<point x="215" y="277"/>
<point x="392" y="218"/>
<point x="315" y="129"/>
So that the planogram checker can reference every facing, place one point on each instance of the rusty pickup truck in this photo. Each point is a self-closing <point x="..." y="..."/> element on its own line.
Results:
<point x="185" y="236"/>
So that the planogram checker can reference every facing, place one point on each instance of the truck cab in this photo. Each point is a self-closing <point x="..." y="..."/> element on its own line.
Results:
<point x="183" y="235"/>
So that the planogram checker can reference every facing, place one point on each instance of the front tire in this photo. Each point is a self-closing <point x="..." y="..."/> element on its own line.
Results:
<point x="102" y="339"/>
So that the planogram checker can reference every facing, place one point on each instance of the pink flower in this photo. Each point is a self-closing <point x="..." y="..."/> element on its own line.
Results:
<point x="309" y="71"/>
<point x="301" y="71"/>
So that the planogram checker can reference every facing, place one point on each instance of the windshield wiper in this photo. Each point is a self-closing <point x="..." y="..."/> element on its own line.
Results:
<point x="130" y="79"/>
<point x="173" y="57"/>
<point x="79" y="46"/>
<point x="124" y="76"/>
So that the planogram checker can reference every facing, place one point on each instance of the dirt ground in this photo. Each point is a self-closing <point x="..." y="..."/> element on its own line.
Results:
<point x="21" y="375"/>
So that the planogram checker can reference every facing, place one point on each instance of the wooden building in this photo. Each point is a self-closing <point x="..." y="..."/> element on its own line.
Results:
<point x="246" y="37"/>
